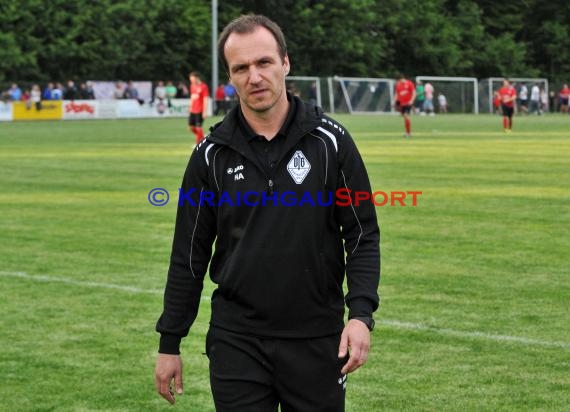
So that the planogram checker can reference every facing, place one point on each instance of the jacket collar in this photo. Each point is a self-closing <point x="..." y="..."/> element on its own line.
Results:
<point x="228" y="132"/>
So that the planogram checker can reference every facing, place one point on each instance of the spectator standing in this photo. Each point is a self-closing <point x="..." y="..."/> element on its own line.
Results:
<point x="15" y="93"/>
<point x="70" y="92"/>
<point x="220" y="99"/>
<point x="497" y="102"/>
<point x="428" y="103"/>
<point x="86" y="91"/>
<point x="26" y="98"/>
<point x="508" y="96"/>
<point x="230" y="92"/>
<point x="420" y="97"/>
<point x="36" y="97"/>
<point x="119" y="92"/>
<point x="523" y="98"/>
<point x="552" y="103"/>
<point x="47" y="92"/>
<point x="57" y="92"/>
<point x="544" y="107"/>
<point x="534" y="106"/>
<point x="313" y="99"/>
<point x="442" y="101"/>
<point x="159" y="93"/>
<point x="405" y="95"/>
<point x="182" y="91"/>
<point x="131" y="92"/>
<point x="170" y="90"/>
<point x="564" y="97"/>
<point x="82" y="93"/>
<point x="199" y="95"/>
<point x="292" y="88"/>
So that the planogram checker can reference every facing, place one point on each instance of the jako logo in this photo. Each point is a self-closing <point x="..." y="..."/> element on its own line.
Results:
<point x="236" y="172"/>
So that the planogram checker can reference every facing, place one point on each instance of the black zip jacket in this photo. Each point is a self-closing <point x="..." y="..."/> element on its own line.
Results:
<point x="282" y="244"/>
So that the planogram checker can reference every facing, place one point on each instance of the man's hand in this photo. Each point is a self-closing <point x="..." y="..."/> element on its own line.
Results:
<point x="355" y="336"/>
<point x="168" y="367"/>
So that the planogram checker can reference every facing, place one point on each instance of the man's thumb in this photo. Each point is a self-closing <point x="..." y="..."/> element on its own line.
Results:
<point x="343" y="347"/>
<point x="178" y="383"/>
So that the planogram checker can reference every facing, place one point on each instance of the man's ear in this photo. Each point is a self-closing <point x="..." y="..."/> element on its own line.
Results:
<point x="286" y="65"/>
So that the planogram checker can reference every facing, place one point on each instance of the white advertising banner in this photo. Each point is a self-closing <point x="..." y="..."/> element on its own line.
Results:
<point x="133" y="109"/>
<point x="107" y="109"/>
<point x="80" y="109"/>
<point x="6" y="112"/>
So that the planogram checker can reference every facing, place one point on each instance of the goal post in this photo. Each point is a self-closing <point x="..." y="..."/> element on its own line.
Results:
<point x="487" y="88"/>
<point x="462" y="93"/>
<point x="361" y="95"/>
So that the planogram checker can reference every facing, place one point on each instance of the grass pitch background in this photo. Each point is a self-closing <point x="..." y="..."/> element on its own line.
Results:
<point x="475" y="279"/>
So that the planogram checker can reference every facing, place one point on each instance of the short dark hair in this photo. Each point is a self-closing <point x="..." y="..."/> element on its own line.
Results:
<point x="247" y="24"/>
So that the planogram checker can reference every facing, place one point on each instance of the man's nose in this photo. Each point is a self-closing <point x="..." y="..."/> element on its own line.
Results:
<point x="254" y="75"/>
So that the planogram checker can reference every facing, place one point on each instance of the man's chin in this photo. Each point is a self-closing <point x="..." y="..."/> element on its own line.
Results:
<point x="260" y="106"/>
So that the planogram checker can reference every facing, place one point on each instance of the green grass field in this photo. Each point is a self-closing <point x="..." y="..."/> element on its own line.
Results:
<point x="475" y="312"/>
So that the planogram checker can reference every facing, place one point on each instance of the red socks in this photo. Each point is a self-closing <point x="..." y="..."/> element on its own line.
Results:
<point x="199" y="132"/>
<point x="407" y="123"/>
<point x="199" y="135"/>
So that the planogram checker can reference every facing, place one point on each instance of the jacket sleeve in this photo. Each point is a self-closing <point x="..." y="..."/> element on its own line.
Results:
<point x="194" y="235"/>
<point x="360" y="231"/>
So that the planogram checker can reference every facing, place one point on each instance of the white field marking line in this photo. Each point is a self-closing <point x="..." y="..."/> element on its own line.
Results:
<point x="382" y="322"/>
<point x="475" y="335"/>
<point x="54" y="279"/>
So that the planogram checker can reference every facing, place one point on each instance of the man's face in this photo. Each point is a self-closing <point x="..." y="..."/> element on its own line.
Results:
<point x="256" y="69"/>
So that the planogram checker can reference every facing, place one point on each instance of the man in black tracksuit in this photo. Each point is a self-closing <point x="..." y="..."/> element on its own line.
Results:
<point x="264" y="186"/>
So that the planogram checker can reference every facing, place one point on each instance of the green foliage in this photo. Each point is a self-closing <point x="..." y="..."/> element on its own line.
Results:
<point x="165" y="39"/>
<point x="130" y="39"/>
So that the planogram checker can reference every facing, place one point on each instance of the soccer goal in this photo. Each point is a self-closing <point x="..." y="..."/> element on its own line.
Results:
<point x="461" y="93"/>
<point x="487" y="87"/>
<point x="361" y="95"/>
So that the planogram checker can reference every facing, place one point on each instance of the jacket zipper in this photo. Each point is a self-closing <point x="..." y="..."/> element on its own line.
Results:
<point x="270" y="186"/>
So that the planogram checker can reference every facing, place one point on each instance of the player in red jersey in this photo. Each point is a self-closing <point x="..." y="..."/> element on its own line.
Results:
<point x="496" y="102"/>
<point x="199" y="94"/>
<point x="405" y="95"/>
<point x="508" y="95"/>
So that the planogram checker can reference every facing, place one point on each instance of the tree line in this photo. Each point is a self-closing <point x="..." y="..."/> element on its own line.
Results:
<point x="46" y="40"/>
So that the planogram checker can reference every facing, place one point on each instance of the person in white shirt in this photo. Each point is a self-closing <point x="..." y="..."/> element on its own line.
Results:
<point x="442" y="100"/>
<point x="36" y="96"/>
<point x="534" y="99"/>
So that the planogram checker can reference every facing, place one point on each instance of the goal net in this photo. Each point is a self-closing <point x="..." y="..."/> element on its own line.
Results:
<point x="461" y="93"/>
<point x="487" y="88"/>
<point x="359" y="95"/>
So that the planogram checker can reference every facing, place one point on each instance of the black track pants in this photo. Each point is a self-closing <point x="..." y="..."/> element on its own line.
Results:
<point x="250" y="374"/>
